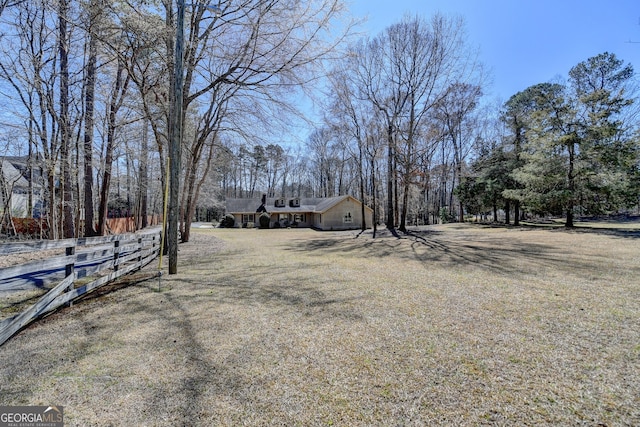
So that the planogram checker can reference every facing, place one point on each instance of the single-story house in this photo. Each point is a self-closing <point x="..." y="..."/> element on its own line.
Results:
<point x="322" y="213"/>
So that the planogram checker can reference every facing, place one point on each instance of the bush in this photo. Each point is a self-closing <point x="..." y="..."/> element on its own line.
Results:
<point x="446" y="217"/>
<point x="228" y="222"/>
<point x="264" y="220"/>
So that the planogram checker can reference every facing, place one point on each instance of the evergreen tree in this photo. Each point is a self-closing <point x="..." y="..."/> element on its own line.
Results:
<point x="575" y="155"/>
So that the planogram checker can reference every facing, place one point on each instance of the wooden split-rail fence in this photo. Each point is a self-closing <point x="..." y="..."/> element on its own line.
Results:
<point x="86" y="264"/>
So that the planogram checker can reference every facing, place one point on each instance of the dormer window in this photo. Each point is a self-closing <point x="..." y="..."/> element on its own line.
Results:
<point x="294" y="203"/>
<point x="279" y="203"/>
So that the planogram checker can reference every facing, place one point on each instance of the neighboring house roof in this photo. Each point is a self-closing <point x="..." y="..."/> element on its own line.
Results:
<point x="15" y="171"/>
<point x="12" y="176"/>
<point x="315" y="205"/>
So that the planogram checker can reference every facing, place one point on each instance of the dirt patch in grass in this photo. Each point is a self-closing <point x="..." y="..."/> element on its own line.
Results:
<point x="451" y="325"/>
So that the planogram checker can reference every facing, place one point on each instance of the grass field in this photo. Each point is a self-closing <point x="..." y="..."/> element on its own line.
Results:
<point x="459" y="325"/>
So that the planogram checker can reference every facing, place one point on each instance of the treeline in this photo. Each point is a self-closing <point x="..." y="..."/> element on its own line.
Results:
<point x="323" y="168"/>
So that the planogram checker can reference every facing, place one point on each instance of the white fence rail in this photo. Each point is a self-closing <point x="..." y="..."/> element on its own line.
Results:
<point x="97" y="260"/>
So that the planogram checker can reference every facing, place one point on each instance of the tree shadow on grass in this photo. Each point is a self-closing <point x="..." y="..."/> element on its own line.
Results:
<point x="227" y="381"/>
<point x="580" y="227"/>
<point x="287" y="287"/>
<point x="454" y="248"/>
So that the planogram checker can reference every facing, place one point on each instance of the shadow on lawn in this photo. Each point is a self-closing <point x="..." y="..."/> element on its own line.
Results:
<point x="227" y="380"/>
<point x="281" y="286"/>
<point x="455" y="248"/>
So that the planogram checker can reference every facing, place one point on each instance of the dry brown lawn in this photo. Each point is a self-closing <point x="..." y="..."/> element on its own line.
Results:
<point x="454" y="325"/>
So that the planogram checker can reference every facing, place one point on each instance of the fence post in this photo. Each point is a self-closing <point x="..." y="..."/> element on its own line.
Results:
<point x="140" y="251"/>
<point x="116" y="253"/>
<point x="68" y="269"/>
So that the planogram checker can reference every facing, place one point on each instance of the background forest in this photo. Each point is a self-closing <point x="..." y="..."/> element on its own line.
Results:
<point x="405" y="125"/>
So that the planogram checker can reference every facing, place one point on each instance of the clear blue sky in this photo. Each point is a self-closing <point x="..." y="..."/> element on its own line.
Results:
<point x="525" y="42"/>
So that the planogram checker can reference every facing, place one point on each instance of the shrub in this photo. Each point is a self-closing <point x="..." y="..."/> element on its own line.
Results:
<point x="228" y="221"/>
<point x="264" y="220"/>
<point x="445" y="216"/>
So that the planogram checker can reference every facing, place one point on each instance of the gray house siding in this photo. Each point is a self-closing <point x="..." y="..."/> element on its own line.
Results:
<point x="345" y="215"/>
<point x="14" y="185"/>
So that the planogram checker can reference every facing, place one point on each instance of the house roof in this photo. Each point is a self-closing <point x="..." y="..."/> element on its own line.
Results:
<point x="15" y="170"/>
<point x="315" y="205"/>
<point x="12" y="175"/>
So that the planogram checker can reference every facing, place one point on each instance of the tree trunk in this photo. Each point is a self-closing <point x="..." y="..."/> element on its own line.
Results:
<point x="30" y="163"/>
<point x="189" y="199"/>
<point x="390" y="178"/>
<point x="89" y="229"/>
<point x="373" y="192"/>
<point x="144" y="180"/>
<point x="108" y="160"/>
<point x="396" y="193"/>
<point x="459" y="173"/>
<point x="51" y="211"/>
<point x="175" y="143"/>
<point x="426" y="196"/>
<point x="569" y="222"/>
<point x="361" y="176"/>
<point x="571" y="184"/>
<point x="405" y="203"/>
<point x="408" y="167"/>
<point x="495" y="211"/>
<point x="65" y="131"/>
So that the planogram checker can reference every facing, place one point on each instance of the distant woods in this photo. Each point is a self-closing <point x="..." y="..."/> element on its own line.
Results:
<point x="405" y="123"/>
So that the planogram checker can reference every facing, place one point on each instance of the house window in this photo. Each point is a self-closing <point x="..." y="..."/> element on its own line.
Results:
<point x="294" y="203"/>
<point x="347" y="218"/>
<point x="279" y="203"/>
<point x="298" y="218"/>
<point x="248" y="218"/>
<point x="283" y="219"/>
